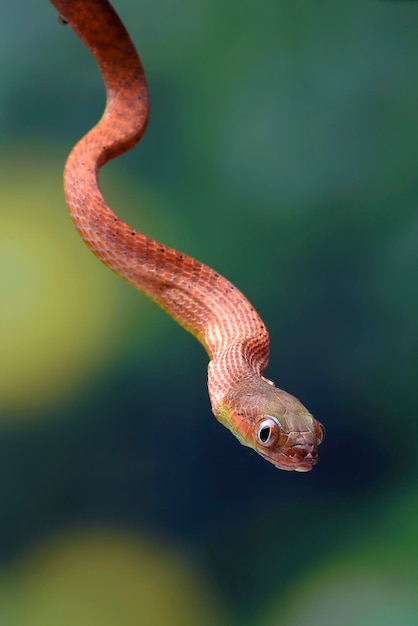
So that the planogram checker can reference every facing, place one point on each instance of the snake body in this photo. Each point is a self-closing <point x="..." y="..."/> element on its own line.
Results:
<point x="269" y="420"/>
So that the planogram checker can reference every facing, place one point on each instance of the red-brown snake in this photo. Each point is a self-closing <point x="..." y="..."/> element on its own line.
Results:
<point x="261" y="416"/>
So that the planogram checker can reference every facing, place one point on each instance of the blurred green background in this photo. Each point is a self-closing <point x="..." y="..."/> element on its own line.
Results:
<point x="282" y="151"/>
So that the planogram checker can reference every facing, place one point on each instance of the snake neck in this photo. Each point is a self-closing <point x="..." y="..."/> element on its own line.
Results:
<point x="235" y="370"/>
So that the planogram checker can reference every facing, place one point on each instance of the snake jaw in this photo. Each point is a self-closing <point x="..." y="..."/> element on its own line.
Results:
<point x="297" y="457"/>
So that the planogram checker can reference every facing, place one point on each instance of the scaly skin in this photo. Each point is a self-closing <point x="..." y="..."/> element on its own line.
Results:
<point x="267" y="419"/>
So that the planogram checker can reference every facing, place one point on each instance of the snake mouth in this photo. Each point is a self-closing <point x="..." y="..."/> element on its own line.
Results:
<point x="297" y="459"/>
<point x="304" y="468"/>
<point x="301" y="466"/>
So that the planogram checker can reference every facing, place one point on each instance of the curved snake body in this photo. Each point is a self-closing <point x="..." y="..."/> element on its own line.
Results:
<point x="261" y="416"/>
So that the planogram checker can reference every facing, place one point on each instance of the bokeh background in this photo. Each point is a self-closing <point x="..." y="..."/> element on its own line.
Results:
<point x="282" y="151"/>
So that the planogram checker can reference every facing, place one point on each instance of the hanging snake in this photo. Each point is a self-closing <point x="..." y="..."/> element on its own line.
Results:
<point x="261" y="416"/>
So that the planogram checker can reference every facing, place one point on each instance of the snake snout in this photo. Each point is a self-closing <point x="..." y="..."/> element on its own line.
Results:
<point x="305" y="454"/>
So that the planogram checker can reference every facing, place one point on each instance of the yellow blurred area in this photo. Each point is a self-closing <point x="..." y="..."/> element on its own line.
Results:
<point x="110" y="578"/>
<point x="58" y="306"/>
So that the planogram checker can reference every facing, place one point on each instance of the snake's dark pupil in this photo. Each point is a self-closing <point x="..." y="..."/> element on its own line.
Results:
<point x="264" y="434"/>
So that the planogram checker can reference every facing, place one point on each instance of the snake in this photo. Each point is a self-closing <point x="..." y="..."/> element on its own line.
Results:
<point x="263" y="417"/>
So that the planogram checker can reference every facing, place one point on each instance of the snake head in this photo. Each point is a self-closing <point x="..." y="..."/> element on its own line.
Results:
<point x="286" y="434"/>
<point x="276" y="425"/>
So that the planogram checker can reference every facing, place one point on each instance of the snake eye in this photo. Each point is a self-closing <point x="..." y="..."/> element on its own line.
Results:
<point x="268" y="431"/>
<point x="321" y="432"/>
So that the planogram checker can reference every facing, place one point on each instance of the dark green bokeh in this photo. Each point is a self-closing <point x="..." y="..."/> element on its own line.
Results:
<point x="282" y="150"/>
